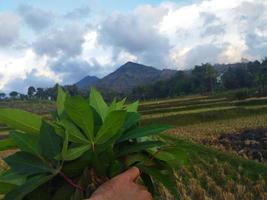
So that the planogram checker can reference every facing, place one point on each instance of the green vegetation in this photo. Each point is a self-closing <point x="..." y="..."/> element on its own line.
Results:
<point x="249" y="79"/>
<point x="86" y="143"/>
<point x="207" y="173"/>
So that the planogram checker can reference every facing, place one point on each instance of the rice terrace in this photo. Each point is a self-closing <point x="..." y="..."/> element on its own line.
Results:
<point x="226" y="140"/>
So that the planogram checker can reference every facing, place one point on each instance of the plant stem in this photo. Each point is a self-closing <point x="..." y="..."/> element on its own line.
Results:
<point x="69" y="181"/>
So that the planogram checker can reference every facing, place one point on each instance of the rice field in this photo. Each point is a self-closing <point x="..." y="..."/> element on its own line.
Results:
<point x="212" y="171"/>
<point x="213" y="174"/>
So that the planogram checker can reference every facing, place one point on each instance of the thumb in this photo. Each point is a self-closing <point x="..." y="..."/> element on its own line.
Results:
<point x="131" y="174"/>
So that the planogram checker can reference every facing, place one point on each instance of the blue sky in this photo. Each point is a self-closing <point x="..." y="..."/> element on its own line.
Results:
<point x="44" y="42"/>
<point x="66" y="5"/>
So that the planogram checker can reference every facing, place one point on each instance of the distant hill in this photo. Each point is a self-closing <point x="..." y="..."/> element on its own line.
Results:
<point x="128" y="76"/>
<point x="86" y="82"/>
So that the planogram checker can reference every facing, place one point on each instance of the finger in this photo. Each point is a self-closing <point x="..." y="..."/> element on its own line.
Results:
<point x="141" y="187"/>
<point x="131" y="174"/>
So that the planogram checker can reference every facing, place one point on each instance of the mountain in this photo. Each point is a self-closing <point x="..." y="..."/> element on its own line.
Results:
<point x="167" y="74"/>
<point x="87" y="82"/>
<point x="126" y="77"/>
<point x="130" y="75"/>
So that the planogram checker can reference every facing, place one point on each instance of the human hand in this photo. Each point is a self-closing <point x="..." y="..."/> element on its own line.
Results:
<point x="122" y="187"/>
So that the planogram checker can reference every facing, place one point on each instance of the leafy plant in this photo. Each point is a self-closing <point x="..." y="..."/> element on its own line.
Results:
<point x="86" y="143"/>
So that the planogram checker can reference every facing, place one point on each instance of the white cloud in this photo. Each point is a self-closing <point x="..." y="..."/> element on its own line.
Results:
<point x="21" y="64"/>
<point x="137" y="33"/>
<point x="36" y="18"/>
<point x="168" y="35"/>
<point x="232" y="26"/>
<point x="61" y="41"/>
<point x="10" y="27"/>
<point x="102" y="56"/>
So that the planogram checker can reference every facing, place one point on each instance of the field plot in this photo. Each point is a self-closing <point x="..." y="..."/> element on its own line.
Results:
<point x="209" y="121"/>
<point x="227" y="159"/>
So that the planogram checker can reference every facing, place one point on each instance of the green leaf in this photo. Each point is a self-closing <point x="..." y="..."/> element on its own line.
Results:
<point x="132" y="119"/>
<point x="138" y="147"/>
<point x="74" y="133"/>
<point x="6" y="144"/>
<point x="148" y="183"/>
<point x="81" y="114"/>
<point x="31" y="184"/>
<point x="21" y="120"/>
<point x="111" y="126"/>
<point x="75" y="168"/>
<point x="12" y="178"/>
<point x="120" y="104"/>
<point x="43" y="192"/>
<point x="174" y="156"/>
<point x="144" y="131"/>
<point x="6" y="187"/>
<point x="50" y="143"/>
<point x="26" y="142"/>
<point x="115" y="169"/>
<point x="84" y="181"/>
<point x="133" y="159"/>
<point x="65" y="145"/>
<point x="133" y="107"/>
<point x="165" y="178"/>
<point x="76" y="152"/>
<point x="97" y="121"/>
<point x="64" y="192"/>
<point x="98" y="103"/>
<point x="61" y="97"/>
<point x="27" y="164"/>
<point x="60" y="131"/>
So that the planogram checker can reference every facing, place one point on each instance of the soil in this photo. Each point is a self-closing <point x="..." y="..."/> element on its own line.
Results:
<point x="249" y="143"/>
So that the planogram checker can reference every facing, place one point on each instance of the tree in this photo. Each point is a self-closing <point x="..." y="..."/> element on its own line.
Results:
<point x="2" y="95"/>
<point x="31" y="91"/>
<point x="40" y="93"/>
<point x="262" y="75"/>
<point x="72" y="90"/>
<point x="181" y="84"/>
<point x="23" y="96"/>
<point x="204" y="78"/>
<point x="13" y="94"/>
<point x="210" y="75"/>
<point x="237" y="77"/>
<point x="51" y="93"/>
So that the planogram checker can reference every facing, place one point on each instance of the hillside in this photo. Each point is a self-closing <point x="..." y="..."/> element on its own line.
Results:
<point x="127" y="77"/>
<point x="86" y="82"/>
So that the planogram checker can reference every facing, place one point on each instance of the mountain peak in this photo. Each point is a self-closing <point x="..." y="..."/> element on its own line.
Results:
<point x="130" y="64"/>
<point x="130" y="75"/>
<point x="87" y="82"/>
<point x="135" y="67"/>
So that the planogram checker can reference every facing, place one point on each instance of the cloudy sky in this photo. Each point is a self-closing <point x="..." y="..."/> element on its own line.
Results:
<point x="43" y="42"/>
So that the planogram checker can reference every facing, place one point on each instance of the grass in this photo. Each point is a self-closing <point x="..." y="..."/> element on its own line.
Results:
<point x="209" y="173"/>
<point x="209" y="131"/>
<point x="36" y="106"/>
<point x="213" y="174"/>
<point x="187" y="108"/>
<point x="191" y="101"/>
<point x="204" y="115"/>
